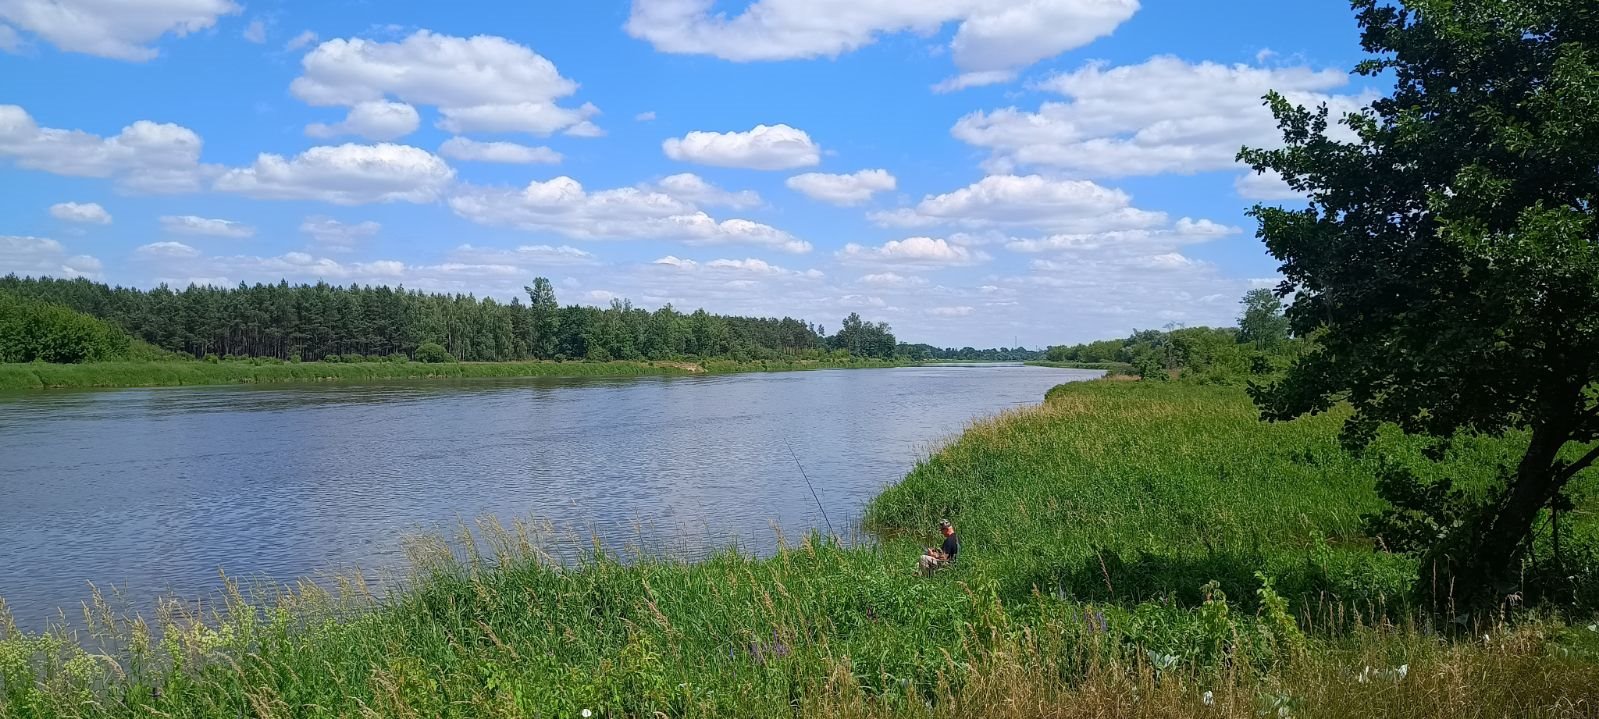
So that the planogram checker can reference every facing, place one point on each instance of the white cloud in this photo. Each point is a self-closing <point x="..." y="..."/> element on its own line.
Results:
<point x="675" y="261"/>
<point x="562" y="205"/>
<point x="693" y="189"/>
<point x="1164" y="115"/>
<point x="118" y="29"/>
<point x="374" y="120"/>
<point x="255" y="32"/>
<point x="1264" y="187"/>
<point x="306" y="37"/>
<point x="461" y="148"/>
<point x="1030" y="201"/>
<point x="645" y="116"/>
<point x="39" y="256"/>
<point x="344" y="175"/>
<point x="758" y="267"/>
<point x="10" y="41"/>
<point x="167" y="249"/>
<point x="480" y="84"/>
<point x="766" y="147"/>
<point x="957" y="311"/>
<point x="992" y="36"/>
<point x="87" y="213"/>
<point x="192" y="225"/>
<point x="525" y="256"/>
<point x="891" y="279"/>
<point x="924" y="251"/>
<point x="1189" y="227"/>
<point x="145" y="156"/>
<point x="584" y="128"/>
<point x="844" y="190"/>
<point x="338" y="236"/>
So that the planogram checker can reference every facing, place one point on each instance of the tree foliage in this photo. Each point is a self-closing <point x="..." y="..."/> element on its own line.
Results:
<point x="31" y="331"/>
<point x="322" y="321"/>
<point x="1448" y="258"/>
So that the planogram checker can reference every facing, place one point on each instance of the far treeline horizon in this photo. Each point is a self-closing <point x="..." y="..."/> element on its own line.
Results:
<point x="325" y="322"/>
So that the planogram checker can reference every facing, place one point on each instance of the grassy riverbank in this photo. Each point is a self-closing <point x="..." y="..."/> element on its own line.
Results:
<point x="39" y="375"/>
<point x="1111" y="540"/>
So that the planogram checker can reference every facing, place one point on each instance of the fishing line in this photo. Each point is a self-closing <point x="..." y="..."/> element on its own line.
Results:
<point x="808" y="484"/>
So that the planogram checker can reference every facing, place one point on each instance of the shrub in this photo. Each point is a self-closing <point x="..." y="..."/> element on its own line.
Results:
<point x="38" y="331"/>
<point x="433" y="353"/>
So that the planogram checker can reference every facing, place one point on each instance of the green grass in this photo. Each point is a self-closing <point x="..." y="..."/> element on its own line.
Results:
<point x="1089" y="526"/>
<point x="39" y="375"/>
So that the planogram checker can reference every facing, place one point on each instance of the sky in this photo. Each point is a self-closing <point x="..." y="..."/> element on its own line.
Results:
<point x="973" y="172"/>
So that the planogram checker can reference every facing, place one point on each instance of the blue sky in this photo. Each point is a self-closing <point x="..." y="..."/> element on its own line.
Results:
<point x="974" y="172"/>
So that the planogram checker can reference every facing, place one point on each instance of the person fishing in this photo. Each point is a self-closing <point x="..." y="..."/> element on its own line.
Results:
<point x="938" y="557"/>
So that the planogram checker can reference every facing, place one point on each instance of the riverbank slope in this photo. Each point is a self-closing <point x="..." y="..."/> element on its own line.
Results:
<point x="40" y="375"/>
<point x="1111" y="543"/>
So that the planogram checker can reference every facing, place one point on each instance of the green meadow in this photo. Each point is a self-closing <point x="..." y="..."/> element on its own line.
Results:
<point x="1139" y="549"/>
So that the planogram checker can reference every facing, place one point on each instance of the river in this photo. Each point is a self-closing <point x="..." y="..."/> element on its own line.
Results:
<point x="153" y="491"/>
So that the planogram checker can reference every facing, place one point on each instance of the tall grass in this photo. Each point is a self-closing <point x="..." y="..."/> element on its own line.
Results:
<point x="1110" y="544"/>
<point x="39" y="375"/>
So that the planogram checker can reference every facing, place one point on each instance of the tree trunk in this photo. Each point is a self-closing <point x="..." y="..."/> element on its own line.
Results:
<point x="1475" y="571"/>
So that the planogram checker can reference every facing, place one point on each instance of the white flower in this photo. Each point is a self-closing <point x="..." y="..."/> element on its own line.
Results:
<point x="1403" y="671"/>
<point x="1208" y="698"/>
<point x="587" y="714"/>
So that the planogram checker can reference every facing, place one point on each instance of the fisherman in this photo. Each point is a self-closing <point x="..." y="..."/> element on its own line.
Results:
<point x="936" y="558"/>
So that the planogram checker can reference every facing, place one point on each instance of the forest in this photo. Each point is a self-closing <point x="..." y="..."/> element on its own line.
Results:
<point x="330" y="323"/>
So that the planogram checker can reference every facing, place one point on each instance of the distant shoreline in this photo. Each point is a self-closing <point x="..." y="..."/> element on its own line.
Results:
<point x="112" y="375"/>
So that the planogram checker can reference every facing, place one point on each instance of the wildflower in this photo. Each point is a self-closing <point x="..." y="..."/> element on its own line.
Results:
<point x="1402" y="671"/>
<point x="586" y="714"/>
<point x="1208" y="698"/>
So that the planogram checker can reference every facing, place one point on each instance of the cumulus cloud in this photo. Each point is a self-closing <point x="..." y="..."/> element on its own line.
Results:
<point x="693" y="189"/>
<point x="144" y="157"/>
<point x="10" y="41"/>
<point x="563" y="206"/>
<point x="39" y="256"/>
<point x="766" y="147"/>
<point x="1164" y="115"/>
<point x="338" y="236"/>
<point x="208" y="227"/>
<point x="479" y="84"/>
<point x="645" y="116"/>
<point x="374" y="120"/>
<point x="1028" y="201"/>
<point x="525" y="256"/>
<point x="957" y="311"/>
<point x="117" y="29"/>
<point x="90" y="213"/>
<point x="992" y="39"/>
<point x="922" y="251"/>
<point x="461" y="148"/>
<point x="167" y="249"/>
<point x="1264" y="187"/>
<point x="344" y="175"/>
<point x="892" y="279"/>
<point x="843" y="190"/>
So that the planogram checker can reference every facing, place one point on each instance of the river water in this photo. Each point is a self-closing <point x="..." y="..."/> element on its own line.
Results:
<point x="152" y="491"/>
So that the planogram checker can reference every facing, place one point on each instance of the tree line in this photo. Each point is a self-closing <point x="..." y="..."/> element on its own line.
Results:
<point x="1259" y="345"/>
<point x="316" y="322"/>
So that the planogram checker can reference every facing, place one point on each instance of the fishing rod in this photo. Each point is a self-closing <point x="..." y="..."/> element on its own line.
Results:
<point x="808" y="484"/>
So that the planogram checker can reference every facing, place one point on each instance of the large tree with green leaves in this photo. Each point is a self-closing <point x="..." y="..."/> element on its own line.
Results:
<point x="1447" y="262"/>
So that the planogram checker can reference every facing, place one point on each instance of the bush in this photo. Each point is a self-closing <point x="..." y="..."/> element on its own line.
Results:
<point x="33" y="331"/>
<point x="398" y="357"/>
<point x="433" y="353"/>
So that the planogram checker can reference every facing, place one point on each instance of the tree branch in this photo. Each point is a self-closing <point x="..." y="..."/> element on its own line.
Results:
<point x="1572" y="469"/>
